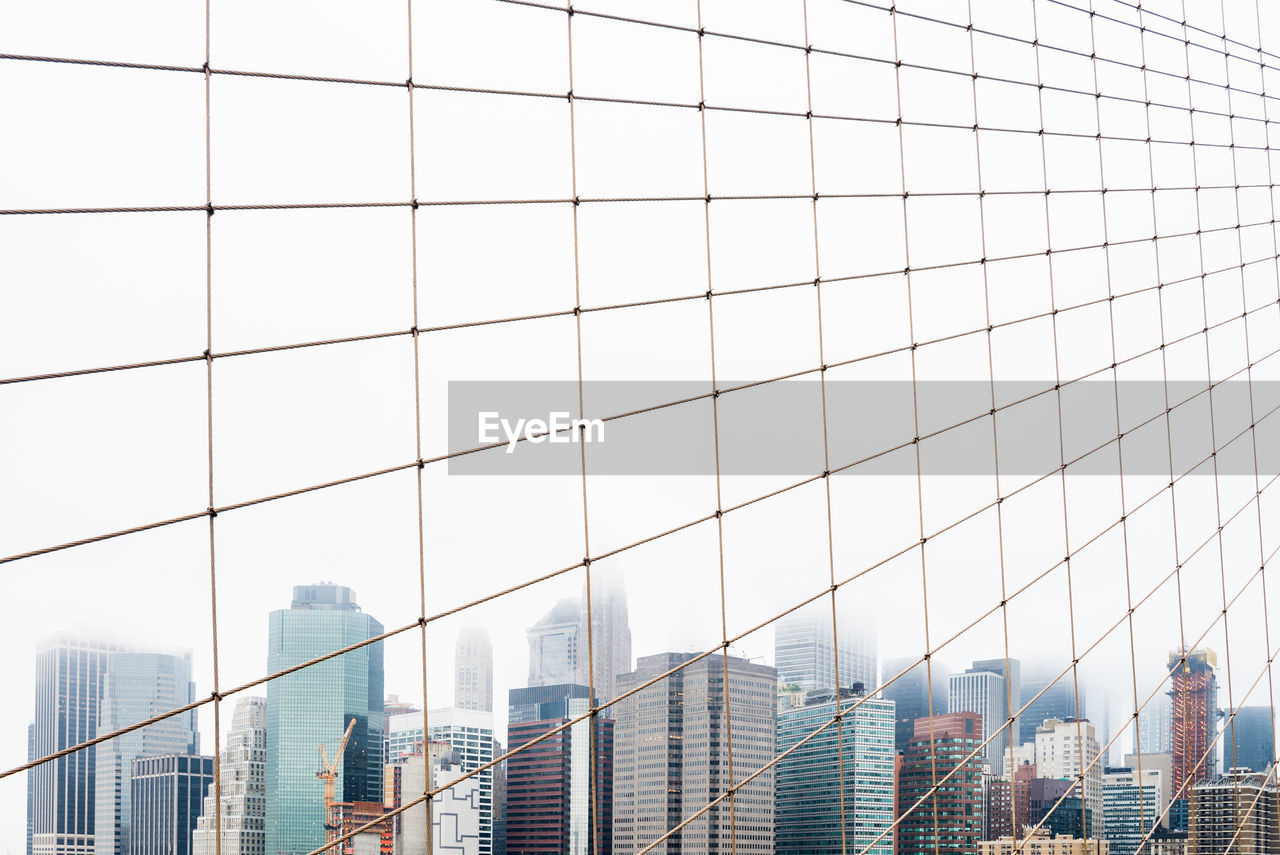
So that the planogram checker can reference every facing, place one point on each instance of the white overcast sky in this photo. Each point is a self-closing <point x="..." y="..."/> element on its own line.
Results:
<point x="89" y="455"/>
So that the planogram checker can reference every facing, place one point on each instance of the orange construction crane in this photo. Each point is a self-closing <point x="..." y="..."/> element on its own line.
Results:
<point x="329" y="774"/>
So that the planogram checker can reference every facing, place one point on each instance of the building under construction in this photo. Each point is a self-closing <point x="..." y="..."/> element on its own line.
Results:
<point x="1194" y="690"/>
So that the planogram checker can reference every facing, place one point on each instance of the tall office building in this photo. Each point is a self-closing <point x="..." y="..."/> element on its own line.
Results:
<point x="805" y="648"/>
<point x="1194" y="694"/>
<point x="554" y="786"/>
<point x="165" y="797"/>
<point x="243" y="787"/>
<point x="950" y="819"/>
<point x="986" y="689"/>
<point x="1067" y="749"/>
<point x="553" y="645"/>
<point x="137" y="686"/>
<point x="913" y="695"/>
<point x="671" y="757"/>
<point x="468" y="735"/>
<point x="1162" y="763"/>
<point x="31" y="755"/>
<point x="1131" y="802"/>
<point x="1058" y="699"/>
<point x="473" y="670"/>
<point x="1155" y="726"/>
<point x="610" y="634"/>
<point x="1248" y="743"/>
<point x="69" y="676"/>
<point x="809" y="799"/>
<point x="313" y="707"/>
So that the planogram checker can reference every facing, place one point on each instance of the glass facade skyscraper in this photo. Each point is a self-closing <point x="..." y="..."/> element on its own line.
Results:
<point x="166" y="796"/>
<point x="313" y="706"/>
<point x="69" y="675"/>
<point x="137" y="686"/>
<point x="808" y="801"/>
<point x="804" y="651"/>
<point x="1248" y="743"/>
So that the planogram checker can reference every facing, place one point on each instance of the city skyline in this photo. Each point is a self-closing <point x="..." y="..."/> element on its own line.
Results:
<point x="1054" y="760"/>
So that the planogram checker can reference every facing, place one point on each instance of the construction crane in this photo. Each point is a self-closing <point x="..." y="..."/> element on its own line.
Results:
<point x="329" y="774"/>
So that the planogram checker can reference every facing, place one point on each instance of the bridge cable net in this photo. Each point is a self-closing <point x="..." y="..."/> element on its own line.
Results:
<point x="981" y="255"/>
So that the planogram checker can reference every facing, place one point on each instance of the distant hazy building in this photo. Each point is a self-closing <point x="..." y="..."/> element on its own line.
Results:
<point x="671" y="757"/>
<point x="554" y="644"/>
<point x="69" y="676"/>
<point x="1236" y="813"/>
<point x="1249" y="736"/>
<point x="610" y="634"/>
<point x="939" y="746"/>
<point x="138" y="686"/>
<point x="986" y="689"/>
<point x="242" y="771"/>
<point x="1057" y="700"/>
<point x="1194" y="695"/>
<point x="473" y="670"/>
<point x="805" y="648"/>
<point x="553" y="785"/>
<point x="913" y="695"/>
<point x="1067" y="749"/>
<point x="166" y="793"/>
<point x="1016" y="756"/>
<point x="1155" y="726"/>
<point x="1130" y="805"/>
<point x="809" y="783"/>
<point x="313" y="706"/>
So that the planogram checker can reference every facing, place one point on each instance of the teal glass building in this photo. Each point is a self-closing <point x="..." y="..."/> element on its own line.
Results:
<point x="807" y="808"/>
<point x="313" y="706"/>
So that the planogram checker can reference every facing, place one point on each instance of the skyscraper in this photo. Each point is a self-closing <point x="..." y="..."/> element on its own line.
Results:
<point x="610" y="634"/>
<point x="1057" y="701"/>
<point x="809" y="801"/>
<point x="553" y="645"/>
<point x="913" y="696"/>
<point x="137" y="686"/>
<point x="1067" y="749"/>
<point x="1249" y="735"/>
<point x="69" y="675"/>
<point x="455" y="812"/>
<point x="473" y="670"/>
<point x="805" y="647"/>
<point x="1155" y="726"/>
<point x="553" y="786"/>
<point x="1194" y="696"/>
<point x="1130" y="805"/>
<point x="986" y="689"/>
<point x="939" y="745"/>
<point x="313" y="706"/>
<point x="243" y="787"/>
<point x="165" y="797"/>
<point x="468" y="734"/>
<point x="671" y="759"/>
